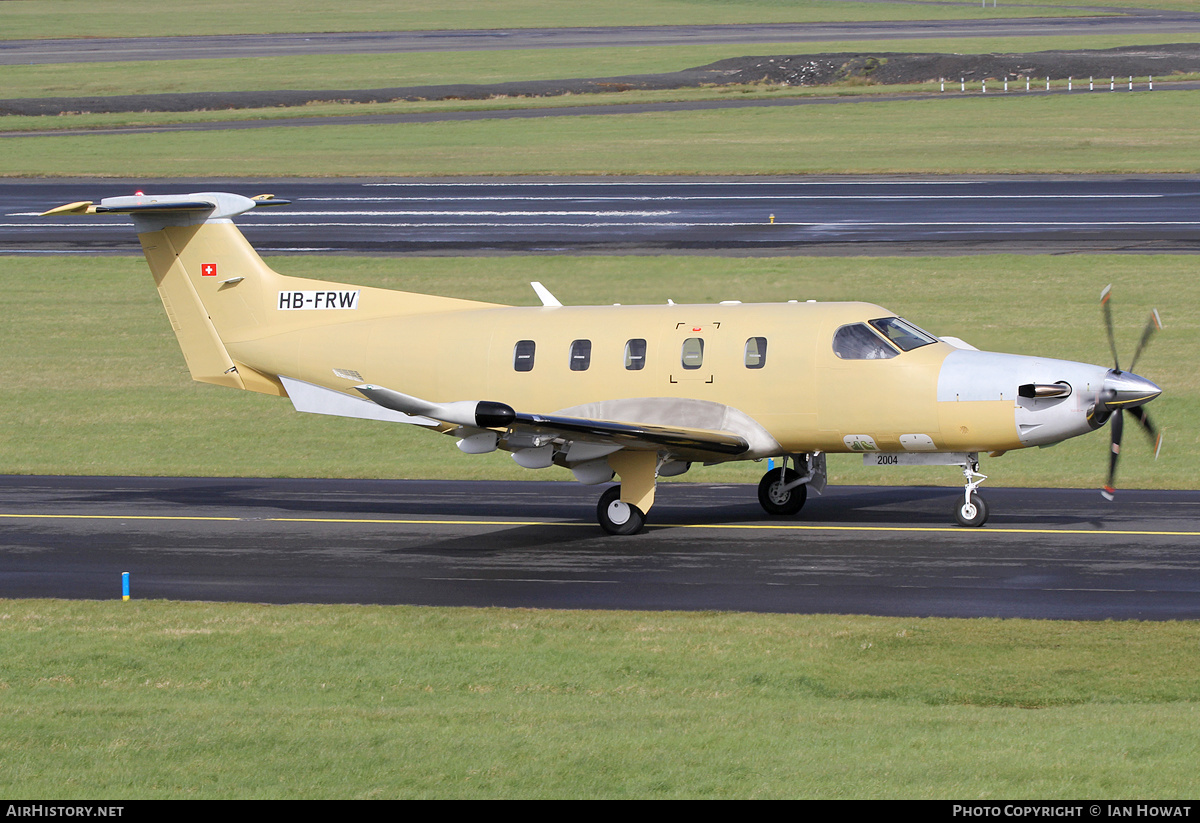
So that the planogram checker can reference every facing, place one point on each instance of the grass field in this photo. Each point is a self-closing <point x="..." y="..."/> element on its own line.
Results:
<point x="181" y="700"/>
<point x="95" y="383"/>
<point x="1087" y="133"/>
<point x="350" y="71"/>
<point x="125" y="18"/>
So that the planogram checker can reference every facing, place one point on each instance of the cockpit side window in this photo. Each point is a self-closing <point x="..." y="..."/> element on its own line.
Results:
<point x="903" y="334"/>
<point x="858" y="342"/>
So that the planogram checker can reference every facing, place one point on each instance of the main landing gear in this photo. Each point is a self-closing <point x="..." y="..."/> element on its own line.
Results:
<point x="617" y="516"/>
<point x="622" y="509"/>
<point x="783" y="490"/>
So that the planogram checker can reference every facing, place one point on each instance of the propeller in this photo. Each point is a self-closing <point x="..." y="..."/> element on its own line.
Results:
<point x="1124" y="390"/>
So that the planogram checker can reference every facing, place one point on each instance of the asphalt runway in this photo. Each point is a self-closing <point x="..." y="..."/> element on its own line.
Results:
<point x="93" y="50"/>
<point x="799" y="215"/>
<point x="1057" y="554"/>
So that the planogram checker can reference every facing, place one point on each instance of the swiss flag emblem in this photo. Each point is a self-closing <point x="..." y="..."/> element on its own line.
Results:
<point x="208" y="270"/>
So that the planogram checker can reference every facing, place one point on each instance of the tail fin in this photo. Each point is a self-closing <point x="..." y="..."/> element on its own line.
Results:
<point x="217" y="291"/>
<point x="197" y="256"/>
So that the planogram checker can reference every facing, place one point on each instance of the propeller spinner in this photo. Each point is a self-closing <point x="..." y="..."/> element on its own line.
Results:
<point x="1124" y="390"/>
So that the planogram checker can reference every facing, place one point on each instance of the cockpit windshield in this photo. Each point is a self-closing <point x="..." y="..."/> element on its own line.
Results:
<point x="860" y="341"/>
<point x="903" y="334"/>
<point x="857" y="342"/>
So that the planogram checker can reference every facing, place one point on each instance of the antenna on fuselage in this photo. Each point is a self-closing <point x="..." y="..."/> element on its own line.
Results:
<point x="544" y="294"/>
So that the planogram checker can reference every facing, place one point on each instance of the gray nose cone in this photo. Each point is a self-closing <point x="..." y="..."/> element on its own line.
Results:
<point x="1125" y="390"/>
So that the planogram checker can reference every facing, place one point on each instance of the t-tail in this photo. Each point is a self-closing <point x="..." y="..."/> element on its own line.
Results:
<point x="218" y="292"/>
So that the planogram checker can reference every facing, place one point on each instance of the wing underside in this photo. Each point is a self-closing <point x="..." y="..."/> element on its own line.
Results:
<point x="535" y="439"/>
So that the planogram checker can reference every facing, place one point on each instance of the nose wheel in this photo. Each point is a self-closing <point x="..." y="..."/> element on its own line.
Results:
<point x="971" y="510"/>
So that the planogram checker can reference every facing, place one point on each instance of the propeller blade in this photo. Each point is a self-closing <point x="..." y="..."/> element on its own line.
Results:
<point x="1118" y="426"/>
<point x="1108" y="324"/>
<point x="1123" y="391"/>
<point x="1154" y="434"/>
<point x="1152" y="325"/>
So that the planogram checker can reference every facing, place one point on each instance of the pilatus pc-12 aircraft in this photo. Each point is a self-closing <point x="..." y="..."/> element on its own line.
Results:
<point x="635" y="392"/>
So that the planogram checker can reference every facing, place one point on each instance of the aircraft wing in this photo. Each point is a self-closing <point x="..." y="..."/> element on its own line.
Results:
<point x="635" y="435"/>
<point x="621" y="434"/>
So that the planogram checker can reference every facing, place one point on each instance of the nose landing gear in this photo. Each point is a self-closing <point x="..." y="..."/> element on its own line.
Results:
<point x="971" y="511"/>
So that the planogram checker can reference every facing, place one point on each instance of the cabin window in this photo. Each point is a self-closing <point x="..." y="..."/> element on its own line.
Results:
<point x="635" y="354"/>
<point x="581" y="355"/>
<point x="858" y="342"/>
<point x="693" y="353"/>
<point x="756" y="352"/>
<point x="523" y="355"/>
<point x="903" y="334"/>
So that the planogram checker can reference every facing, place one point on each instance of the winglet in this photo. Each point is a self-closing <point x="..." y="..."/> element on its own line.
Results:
<point x="262" y="200"/>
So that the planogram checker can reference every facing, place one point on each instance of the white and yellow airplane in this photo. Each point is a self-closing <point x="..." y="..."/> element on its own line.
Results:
<point x="639" y="392"/>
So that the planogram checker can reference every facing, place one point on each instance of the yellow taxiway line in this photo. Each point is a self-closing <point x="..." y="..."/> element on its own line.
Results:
<point x="726" y="526"/>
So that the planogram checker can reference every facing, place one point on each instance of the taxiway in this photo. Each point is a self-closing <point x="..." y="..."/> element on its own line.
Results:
<point x="1058" y="554"/>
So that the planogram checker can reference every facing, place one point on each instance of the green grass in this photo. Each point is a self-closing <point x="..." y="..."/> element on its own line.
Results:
<point x="1099" y="132"/>
<point x="95" y="384"/>
<point x="182" y="700"/>
<point x="125" y="18"/>
<point x="317" y="111"/>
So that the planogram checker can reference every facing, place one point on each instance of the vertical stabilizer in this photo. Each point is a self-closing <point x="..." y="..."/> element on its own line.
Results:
<point x="221" y="296"/>
<point x="211" y="281"/>
<point x="215" y="288"/>
<point x="198" y="259"/>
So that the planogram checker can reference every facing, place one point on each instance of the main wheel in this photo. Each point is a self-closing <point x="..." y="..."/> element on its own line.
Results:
<point x="973" y="513"/>
<point x="774" y="498"/>
<point x="616" y="517"/>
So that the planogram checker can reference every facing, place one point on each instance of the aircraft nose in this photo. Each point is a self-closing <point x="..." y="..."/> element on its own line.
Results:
<point x="1126" y="390"/>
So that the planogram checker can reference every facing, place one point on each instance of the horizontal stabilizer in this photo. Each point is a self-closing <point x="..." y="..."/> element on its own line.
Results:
<point x="308" y="397"/>
<point x="187" y="208"/>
